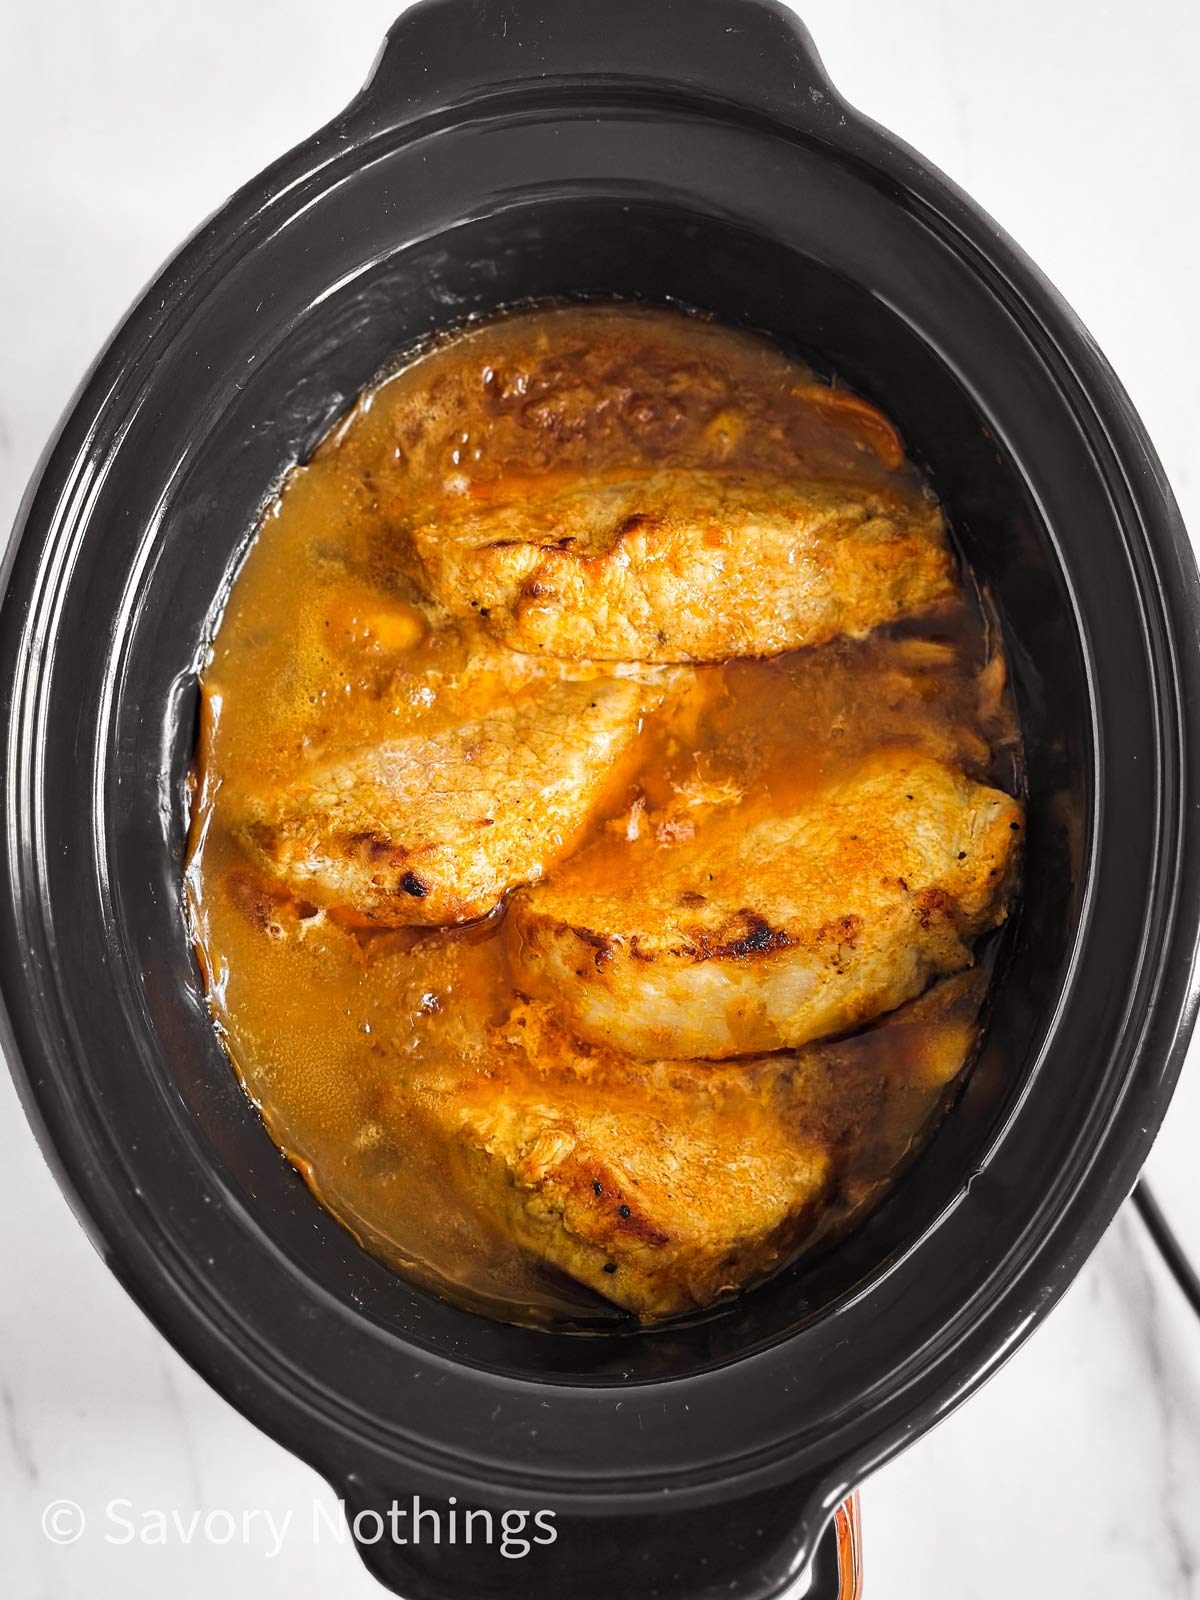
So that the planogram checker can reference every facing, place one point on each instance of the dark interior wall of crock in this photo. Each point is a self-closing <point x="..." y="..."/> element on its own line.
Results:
<point x="298" y="372"/>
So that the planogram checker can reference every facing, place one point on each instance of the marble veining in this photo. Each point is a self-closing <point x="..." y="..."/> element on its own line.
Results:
<point x="1141" y="1291"/>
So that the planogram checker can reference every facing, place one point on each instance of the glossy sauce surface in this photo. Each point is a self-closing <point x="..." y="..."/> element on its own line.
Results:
<point x="330" y="642"/>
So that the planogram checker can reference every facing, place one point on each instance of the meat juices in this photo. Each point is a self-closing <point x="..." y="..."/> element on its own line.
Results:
<point x="598" y="733"/>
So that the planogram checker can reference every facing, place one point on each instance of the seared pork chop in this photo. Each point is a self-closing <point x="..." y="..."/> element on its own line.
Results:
<point x="667" y="1185"/>
<point x="436" y="828"/>
<point x="764" y="931"/>
<point x="686" y="567"/>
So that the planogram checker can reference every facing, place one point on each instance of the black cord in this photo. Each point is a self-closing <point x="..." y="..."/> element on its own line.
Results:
<point x="1169" y="1246"/>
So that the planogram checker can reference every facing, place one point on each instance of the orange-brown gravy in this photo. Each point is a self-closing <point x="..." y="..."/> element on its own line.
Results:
<point x="329" y="639"/>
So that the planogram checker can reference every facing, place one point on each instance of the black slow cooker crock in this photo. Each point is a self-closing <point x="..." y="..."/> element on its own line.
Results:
<point x="513" y="150"/>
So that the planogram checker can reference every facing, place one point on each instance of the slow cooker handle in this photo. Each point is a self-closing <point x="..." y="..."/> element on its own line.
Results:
<point x="745" y="1549"/>
<point x="442" y="54"/>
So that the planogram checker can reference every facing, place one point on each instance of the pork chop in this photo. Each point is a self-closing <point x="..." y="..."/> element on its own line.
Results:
<point x="686" y="567"/>
<point x="763" y="931"/>
<point x="437" y="827"/>
<point x="668" y="1185"/>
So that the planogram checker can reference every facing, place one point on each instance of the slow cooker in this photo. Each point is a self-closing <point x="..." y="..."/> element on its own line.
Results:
<point x="506" y="151"/>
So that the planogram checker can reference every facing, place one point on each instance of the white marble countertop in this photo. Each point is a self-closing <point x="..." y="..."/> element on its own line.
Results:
<point x="1076" y="1472"/>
